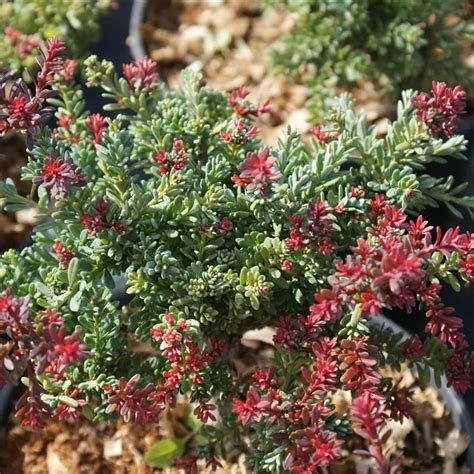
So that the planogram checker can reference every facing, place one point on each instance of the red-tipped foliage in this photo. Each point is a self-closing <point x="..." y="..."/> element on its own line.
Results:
<point x="63" y="255"/>
<point x="96" y="124"/>
<point x="258" y="171"/>
<point x="24" y="45"/>
<point x="141" y="405"/>
<point x="332" y="349"/>
<point x="59" y="175"/>
<point x="175" y="159"/>
<point x="141" y="75"/>
<point x="368" y="420"/>
<point x="22" y="110"/>
<point x="242" y="107"/>
<point x="439" y="110"/>
<point x="98" y="219"/>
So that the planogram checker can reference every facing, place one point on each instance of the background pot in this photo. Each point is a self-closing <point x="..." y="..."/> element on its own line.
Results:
<point x="112" y="45"/>
<point x="135" y="38"/>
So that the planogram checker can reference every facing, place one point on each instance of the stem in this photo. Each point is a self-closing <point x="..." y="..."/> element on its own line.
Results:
<point x="355" y="317"/>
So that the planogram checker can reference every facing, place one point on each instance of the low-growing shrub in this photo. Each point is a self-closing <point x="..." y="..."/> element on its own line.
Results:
<point x="215" y="234"/>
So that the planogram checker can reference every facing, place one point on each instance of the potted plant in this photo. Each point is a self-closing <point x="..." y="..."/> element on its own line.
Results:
<point x="216" y="234"/>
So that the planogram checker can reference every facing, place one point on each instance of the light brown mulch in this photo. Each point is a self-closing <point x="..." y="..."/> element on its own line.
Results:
<point x="229" y="42"/>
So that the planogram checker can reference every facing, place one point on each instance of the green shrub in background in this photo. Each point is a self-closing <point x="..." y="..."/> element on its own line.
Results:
<point x="25" y="24"/>
<point x="397" y="44"/>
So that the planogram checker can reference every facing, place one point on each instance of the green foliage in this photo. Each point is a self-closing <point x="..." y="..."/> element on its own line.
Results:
<point x="172" y="256"/>
<point x="164" y="452"/>
<point x="193" y="247"/>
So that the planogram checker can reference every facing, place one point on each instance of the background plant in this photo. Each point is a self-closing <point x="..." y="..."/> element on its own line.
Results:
<point x="213" y="233"/>
<point x="395" y="44"/>
<point x="27" y="24"/>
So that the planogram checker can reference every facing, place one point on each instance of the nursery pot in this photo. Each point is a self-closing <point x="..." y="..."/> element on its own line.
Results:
<point x="454" y="402"/>
<point x="112" y="45"/>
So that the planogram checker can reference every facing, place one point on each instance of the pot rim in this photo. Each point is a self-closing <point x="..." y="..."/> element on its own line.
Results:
<point x="135" y="38"/>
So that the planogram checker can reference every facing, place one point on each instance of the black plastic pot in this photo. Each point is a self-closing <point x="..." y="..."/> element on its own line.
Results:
<point x="6" y="395"/>
<point x="113" y="45"/>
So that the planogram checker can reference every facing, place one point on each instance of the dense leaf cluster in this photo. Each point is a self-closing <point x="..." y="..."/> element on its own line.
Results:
<point x="210" y="232"/>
